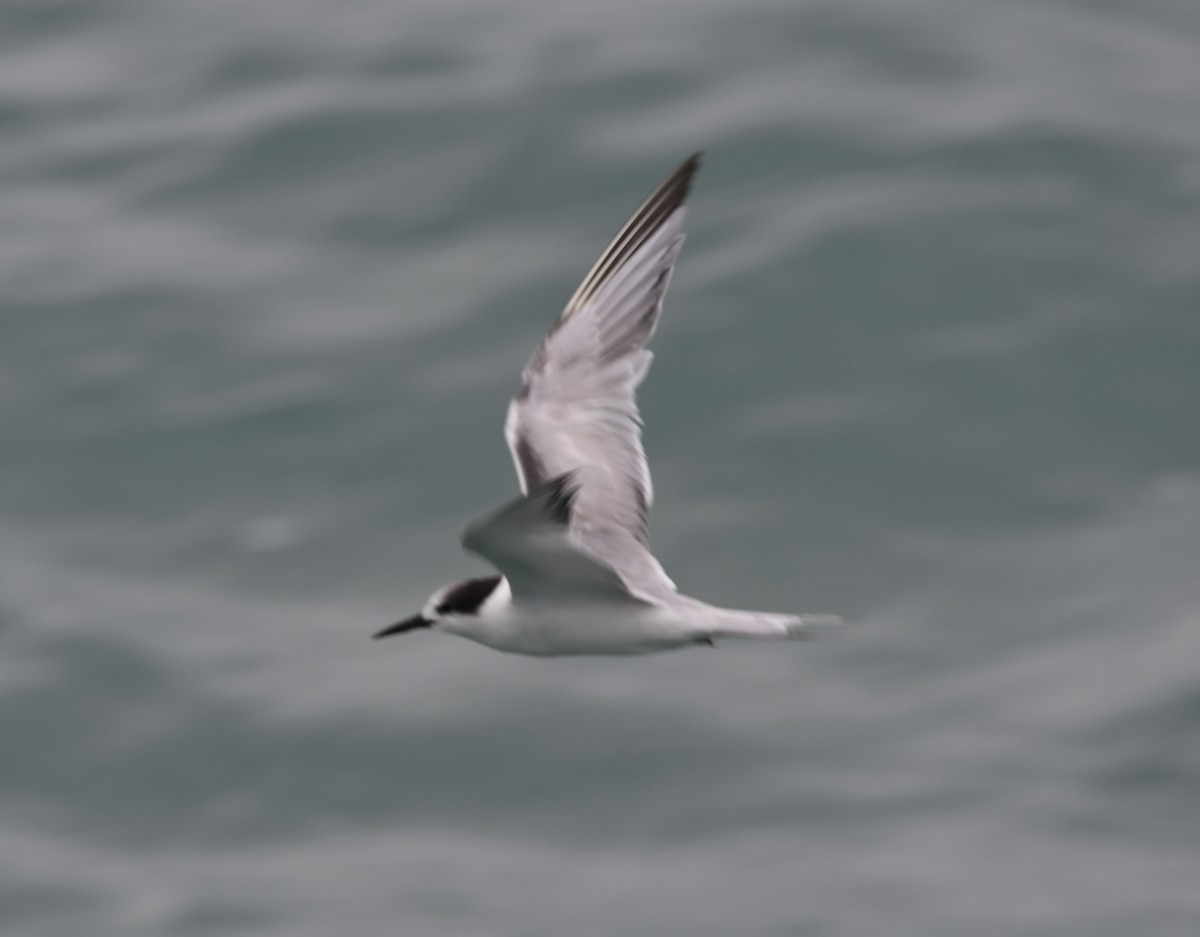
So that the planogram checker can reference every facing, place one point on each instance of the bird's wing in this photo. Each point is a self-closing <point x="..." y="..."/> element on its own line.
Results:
<point x="529" y="541"/>
<point x="575" y="410"/>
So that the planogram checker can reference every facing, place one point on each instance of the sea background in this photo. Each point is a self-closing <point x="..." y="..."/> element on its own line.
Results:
<point x="268" y="272"/>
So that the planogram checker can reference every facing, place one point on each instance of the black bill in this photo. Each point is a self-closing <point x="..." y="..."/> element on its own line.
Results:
<point x="409" y="624"/>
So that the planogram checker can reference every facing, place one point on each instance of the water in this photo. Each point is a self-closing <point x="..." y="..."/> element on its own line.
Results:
<point x="268" y="273"/>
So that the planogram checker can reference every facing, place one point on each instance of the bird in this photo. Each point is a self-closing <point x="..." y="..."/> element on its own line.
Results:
<point x="574" y="571"/>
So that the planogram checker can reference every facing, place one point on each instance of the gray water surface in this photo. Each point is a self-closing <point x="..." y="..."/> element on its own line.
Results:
<point x="268" y="272"/>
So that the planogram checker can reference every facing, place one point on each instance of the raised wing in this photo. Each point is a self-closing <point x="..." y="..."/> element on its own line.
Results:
<point x="575" y="410"/>
<point x="528" y="540"/>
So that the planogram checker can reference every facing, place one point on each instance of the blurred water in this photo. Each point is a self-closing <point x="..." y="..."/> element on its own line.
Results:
<point x="269" y="271"/>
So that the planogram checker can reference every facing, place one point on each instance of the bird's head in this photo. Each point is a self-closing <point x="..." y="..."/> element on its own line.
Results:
<point x="448" y="604"/>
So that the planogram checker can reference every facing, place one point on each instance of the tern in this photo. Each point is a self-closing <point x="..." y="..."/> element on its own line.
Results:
<point x="575" y="571"/>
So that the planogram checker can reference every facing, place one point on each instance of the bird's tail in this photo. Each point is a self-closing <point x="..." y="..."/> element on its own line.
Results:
<point x="731" y="623"/>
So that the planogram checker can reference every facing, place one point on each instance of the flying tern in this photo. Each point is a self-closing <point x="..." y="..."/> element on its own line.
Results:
<point x="575" y="571"/>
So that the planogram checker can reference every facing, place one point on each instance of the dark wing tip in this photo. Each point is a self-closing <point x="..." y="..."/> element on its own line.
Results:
<point x="674" y="190"/>
<point x="547" y="505"/>
<point x="661" y="204"/>
<point x="688" y="169"/>
<point x="560" y="493"/>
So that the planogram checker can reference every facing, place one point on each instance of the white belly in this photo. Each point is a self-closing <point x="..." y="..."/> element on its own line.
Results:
<point x="550" y="631"/>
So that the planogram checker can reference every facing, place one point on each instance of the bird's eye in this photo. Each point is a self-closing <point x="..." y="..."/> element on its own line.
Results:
<point x="443" y="608"/>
